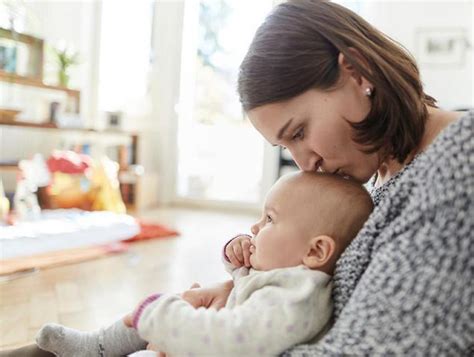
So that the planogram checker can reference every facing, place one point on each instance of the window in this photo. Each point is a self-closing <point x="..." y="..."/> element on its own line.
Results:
<point x="220" y="155"/>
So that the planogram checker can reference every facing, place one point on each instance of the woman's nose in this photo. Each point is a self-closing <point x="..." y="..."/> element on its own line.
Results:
<point x="306" y="161"/>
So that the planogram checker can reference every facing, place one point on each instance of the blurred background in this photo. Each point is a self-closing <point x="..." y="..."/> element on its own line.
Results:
<point x="120" y="123"/>
<point x="156" y="83"/>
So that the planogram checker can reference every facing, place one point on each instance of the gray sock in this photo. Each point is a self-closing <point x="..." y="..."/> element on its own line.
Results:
<point x="115" y="340"/>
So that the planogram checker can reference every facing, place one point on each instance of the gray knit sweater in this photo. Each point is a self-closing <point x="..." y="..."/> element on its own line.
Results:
<point x="405" y="285"/>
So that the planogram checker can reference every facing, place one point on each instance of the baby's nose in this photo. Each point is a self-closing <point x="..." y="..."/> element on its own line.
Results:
<point x="254" y="229"/>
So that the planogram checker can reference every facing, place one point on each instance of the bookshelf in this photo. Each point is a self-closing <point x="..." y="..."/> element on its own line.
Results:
<point x="126" y="154"/>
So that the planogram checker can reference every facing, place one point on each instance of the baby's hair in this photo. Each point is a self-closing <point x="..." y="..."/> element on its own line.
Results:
<point x="337" y="207"/>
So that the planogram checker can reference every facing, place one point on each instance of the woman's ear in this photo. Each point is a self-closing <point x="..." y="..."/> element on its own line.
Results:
<point x="320" y="253"/>
<point x="348" y="69"/>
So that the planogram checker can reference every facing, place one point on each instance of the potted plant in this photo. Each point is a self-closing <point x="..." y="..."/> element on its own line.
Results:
<point x="65" y="58"/>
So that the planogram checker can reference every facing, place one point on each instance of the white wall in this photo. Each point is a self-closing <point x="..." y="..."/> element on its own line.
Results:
<point x="452" y="85"/>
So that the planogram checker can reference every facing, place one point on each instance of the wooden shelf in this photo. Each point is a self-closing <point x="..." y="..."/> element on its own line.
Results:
<point x="50" y="126"/>
<point x="28" y="124"/>
<point x="73" y="94"/>
<point x="8" y="167"/>
<point x="15" y="78"/>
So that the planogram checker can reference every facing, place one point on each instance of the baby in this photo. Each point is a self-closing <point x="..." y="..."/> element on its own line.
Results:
<point x="282" y="282"/>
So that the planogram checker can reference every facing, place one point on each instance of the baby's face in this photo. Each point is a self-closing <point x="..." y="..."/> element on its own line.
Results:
<point x="308" y="218"/>
<point x="282" y="235"/>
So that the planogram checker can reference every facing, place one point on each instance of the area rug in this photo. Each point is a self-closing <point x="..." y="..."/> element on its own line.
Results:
<point x="152" y="231"/>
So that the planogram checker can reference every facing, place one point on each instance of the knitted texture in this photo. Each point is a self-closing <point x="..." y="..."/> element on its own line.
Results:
<point x="404" y="286"/>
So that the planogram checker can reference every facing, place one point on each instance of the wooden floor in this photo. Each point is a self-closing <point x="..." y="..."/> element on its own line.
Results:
<point x="95" y="293"/>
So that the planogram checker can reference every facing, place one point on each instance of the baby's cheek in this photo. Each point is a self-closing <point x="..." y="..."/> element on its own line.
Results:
<point x="253" y="261"/>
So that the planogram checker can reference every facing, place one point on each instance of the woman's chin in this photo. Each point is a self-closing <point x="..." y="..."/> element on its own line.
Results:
<point x="361" y="178"/>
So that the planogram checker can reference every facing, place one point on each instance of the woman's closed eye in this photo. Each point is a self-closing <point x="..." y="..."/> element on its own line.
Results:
<point x="299" y="135"/>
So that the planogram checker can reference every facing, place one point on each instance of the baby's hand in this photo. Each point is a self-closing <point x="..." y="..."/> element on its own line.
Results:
<point x="238" y="251"/>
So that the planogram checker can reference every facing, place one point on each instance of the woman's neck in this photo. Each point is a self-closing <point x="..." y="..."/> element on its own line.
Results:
<point x="435" y="123"/>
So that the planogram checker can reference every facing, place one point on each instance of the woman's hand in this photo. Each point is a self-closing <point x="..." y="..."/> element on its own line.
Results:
<point x="214" y="296"/>
<point x="151" y="347"/>
<point x="238" y="251"/>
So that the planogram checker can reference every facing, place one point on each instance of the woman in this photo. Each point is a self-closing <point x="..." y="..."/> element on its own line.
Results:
<point x="344" y="98"/>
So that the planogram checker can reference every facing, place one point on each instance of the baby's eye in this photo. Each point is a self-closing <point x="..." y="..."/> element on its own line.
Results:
<point x="269" y="219"/>
<point x="299" y="135"/>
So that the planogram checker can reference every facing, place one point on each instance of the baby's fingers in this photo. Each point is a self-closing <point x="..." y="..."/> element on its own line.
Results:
<point x="246" y="252"/>
<point x="238" y="254"/>
<point x="233" y="260"/>
<point x="229" y="253"/>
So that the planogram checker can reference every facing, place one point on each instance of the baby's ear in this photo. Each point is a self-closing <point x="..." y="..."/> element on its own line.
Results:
<point x="320" y="253"/>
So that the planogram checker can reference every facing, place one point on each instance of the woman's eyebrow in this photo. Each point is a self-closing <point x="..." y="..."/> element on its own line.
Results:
<point x="282" y="130"/>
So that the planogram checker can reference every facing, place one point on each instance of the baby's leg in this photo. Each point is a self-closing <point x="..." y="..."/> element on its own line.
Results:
<point x="115" y="340"/>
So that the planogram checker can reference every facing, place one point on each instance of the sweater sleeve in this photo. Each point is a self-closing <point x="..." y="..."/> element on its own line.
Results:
<point x="228" y="266"/>
<point x="262" y="325"/>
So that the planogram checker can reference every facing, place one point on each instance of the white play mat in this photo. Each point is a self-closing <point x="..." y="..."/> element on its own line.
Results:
<point x="65" y="229"/>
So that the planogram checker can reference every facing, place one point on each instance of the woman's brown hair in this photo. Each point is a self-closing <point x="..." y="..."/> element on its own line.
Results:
<point x="297" y="49"/>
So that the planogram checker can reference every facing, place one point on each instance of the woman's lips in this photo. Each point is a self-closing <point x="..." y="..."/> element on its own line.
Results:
<point x="341" y="173"/>
<point x="319" y="166"/>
